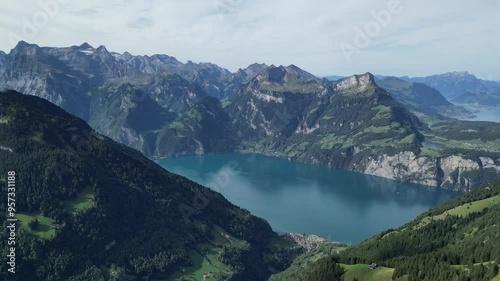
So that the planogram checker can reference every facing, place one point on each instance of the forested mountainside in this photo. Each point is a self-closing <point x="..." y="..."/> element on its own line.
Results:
<point x="89" y="208"/>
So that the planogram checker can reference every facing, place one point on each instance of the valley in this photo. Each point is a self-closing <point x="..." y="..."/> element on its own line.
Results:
<point x="341" y="206"/>
<point x="349" y="159"/>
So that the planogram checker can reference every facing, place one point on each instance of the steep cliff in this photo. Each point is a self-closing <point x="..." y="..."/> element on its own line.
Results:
<point x="452" y="172"/>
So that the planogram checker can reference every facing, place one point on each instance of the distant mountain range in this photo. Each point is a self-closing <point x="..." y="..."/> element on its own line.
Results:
<point x="463" y="88"/>
<point x="420" y="97"/>
<point x="458" y="87"/>
<point x="166" y="108"/>
<point x="455" y="84"/>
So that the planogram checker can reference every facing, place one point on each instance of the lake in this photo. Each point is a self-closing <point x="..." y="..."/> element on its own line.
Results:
<point x="492" y="115"/>
<point x="293" y="197"/>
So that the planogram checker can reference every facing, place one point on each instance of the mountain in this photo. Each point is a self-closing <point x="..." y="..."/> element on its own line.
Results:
<point x="419" y="97"/>
<point x="207" y="75"/>
<point x="126" y="114"/>
<point x="31" y="70"/>
<point x="85" y="80"/>
<point x="205" y="128"/>
<point x="81" y="70"/>
<point x="91" y="209"/>
<point x="454" y="84"/>
<point x="455" y="241"/>
<point x="98" y="65"/>
<point x="171" y="91"/>
<point x="254" y="69"/>
<point x="234" y="83"/>
<point x="356" y="125"/>
<point x="284" y="105"/>
<point x="102" y="66"/>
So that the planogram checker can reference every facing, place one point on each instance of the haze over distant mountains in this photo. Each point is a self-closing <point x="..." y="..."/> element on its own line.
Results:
<point x="460" y="87"/>
<point x="166" y="108"/>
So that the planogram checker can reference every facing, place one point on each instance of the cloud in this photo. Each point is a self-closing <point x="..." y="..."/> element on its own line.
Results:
<point x="141" y="23"/>
<point x="426" y="37"/>
<point x="85" y="12"/>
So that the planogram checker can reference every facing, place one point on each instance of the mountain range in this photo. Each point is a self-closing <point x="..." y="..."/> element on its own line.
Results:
<point x="463" y="87"/>
<point x="165" y="108"/>
<point x="458" y="87"/>
<point x="420" y="98"/>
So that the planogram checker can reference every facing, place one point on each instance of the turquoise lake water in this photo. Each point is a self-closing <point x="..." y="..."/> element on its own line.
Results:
<point x="339" y="205"/>
<point x="492" y="115"/>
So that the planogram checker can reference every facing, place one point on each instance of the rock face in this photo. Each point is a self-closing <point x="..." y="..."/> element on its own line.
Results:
<point x="452" y="172"/>
<point x="29" y="69"/>
<point x="205" y="128"/>
<point x="357" y="81"/>
<point x="404" y="166"/>
<point x="126" y="114"/>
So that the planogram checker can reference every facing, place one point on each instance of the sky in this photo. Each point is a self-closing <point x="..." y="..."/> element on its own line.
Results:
<point x="324" y="37"/>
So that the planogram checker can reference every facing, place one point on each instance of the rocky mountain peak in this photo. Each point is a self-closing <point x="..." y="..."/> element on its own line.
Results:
<point x="287" y="79"/>
<point x="356" y="81"/>
<point x="26" y="48"/>
<point x="276" y="75"/>
<point x="85" y="45"/>
<point x="127" y="56"/>
<point x="104" y="54"/>
<point x="461" y="76"/>
<point x="293" y="69"/>
<point x="102" y="50"/>
<point x="281" y="74"/>
<point x="460" y="73"/>
<point x="22" y="45"/>
<point x="255" y="68"/>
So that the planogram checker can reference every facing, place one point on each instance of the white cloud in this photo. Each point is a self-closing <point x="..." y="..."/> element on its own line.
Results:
<point x="426" y="37"/>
